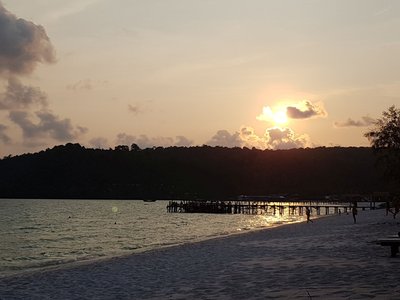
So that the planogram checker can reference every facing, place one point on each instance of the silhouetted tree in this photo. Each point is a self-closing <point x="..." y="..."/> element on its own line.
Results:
<point x="73" y="171"/>
<point x="385" y="139"/>
<point x="122" y="148"/>
<point x="135" y="147"/>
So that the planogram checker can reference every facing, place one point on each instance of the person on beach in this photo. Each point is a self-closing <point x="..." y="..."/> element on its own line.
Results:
<point x="354" y="212"/>
<point x="396" y="205"/>
<point x="308" y="213"/>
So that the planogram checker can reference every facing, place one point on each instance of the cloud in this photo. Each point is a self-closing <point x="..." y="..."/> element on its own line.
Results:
<point x="182" y="141"/>
<point x="85" y="85"/>
<point x="48" y="125"/>
<point x="18" y="96"/>
<point x="305" y="111"/>
<point x="140" y="107"/>
<point x="224" y="139"/>
<point x="143" y="141"/>
<point x="99" y="142"/>
<point x="274" y="138"/>
<point x="3" y="136"/>
<point x="250" y="139"/>
<point x="23" y="45"/>
<point x="135" y="109"/>
<point x="364" y="122"/>
<point x="285" y="138"/>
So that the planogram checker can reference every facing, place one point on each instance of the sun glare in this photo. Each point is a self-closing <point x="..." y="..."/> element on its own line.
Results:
<point x="278" y="117"/>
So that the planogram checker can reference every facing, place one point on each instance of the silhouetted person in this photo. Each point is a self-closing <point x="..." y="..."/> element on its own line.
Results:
<point x="354" y="212"/>
<point x="308" y="213"/>
<point x="396" y="205"/>
<point x="387" y="207"/>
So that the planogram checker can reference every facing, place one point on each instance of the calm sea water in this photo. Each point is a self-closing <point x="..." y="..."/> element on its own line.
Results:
<point x="37" y="234"/>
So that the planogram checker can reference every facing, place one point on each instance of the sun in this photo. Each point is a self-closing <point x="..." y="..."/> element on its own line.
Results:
<point x="278" y="117"/>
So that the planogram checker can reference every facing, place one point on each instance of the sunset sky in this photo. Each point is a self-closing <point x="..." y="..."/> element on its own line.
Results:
<point x="269" y="74"/>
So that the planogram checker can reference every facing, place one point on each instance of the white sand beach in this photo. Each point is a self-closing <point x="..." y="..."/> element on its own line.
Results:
<point x="331" y="258"/>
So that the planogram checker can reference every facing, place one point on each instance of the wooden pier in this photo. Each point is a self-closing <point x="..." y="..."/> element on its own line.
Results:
<point x="256" y="207"/>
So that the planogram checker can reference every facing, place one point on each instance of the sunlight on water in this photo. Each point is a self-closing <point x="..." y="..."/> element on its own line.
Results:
<point x="36" y="234"/>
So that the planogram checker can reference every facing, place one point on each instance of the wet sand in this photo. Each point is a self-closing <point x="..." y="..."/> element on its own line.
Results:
<point x="331" y="258"/>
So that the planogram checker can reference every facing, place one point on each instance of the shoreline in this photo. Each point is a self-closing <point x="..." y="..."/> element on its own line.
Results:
<point x="77" y="263"/>
<point x="330" y="258"/>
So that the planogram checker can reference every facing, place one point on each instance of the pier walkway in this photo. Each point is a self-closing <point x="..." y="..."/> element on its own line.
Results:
<point x="255" y="207"/>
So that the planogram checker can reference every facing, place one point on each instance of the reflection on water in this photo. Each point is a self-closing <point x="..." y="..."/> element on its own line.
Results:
<point x="40" y="233"/>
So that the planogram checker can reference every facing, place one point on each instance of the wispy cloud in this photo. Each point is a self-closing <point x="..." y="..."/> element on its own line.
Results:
<point x="182" y="141"/>
<point x="19" y="96"/>
<point x="4" y="138"/>
<point x="135" y="109"/>
<point x="47" y="126"/>
<point x="99" y="142"/>
<point x="80" y="85"/>
<point x="364" y="122"/>
<point x="140" y="107"/>
<point x="147" y="142"/>
<point x="85" y="85"/>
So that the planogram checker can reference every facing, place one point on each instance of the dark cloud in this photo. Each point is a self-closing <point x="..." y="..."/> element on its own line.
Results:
<point x="143" y="141"/>
<point x="23" y="45"/>
<point x="364" y="122"/>
<point x="19" y="96"/>
<point x="4" y="138"/>
<point x="310" y="110"/>
<point x="48" y="125"/>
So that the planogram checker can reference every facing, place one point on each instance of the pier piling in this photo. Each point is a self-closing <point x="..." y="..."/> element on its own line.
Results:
<point x="260" y="207"/>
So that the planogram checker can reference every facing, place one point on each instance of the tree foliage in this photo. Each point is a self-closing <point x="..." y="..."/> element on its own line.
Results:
<point x="385" y="139"/>
<point x="73" y="171"/>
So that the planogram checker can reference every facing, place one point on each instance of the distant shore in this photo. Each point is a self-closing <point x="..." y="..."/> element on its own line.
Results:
<point x="331" y="258"/>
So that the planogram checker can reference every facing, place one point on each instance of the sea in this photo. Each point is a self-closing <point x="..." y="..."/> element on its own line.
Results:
<point x="40" y="234"/>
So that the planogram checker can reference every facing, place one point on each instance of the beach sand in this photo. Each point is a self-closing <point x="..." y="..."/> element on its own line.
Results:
<point x="331" y="258"/>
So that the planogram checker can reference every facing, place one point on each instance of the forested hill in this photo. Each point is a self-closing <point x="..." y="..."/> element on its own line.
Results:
<point x="72" y="171"/>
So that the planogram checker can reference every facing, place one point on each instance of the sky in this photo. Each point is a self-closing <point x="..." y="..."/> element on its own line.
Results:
<point x="258" y="73"/>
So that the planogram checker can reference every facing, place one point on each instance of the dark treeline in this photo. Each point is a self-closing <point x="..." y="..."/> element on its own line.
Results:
<point x="72" y="171"/>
